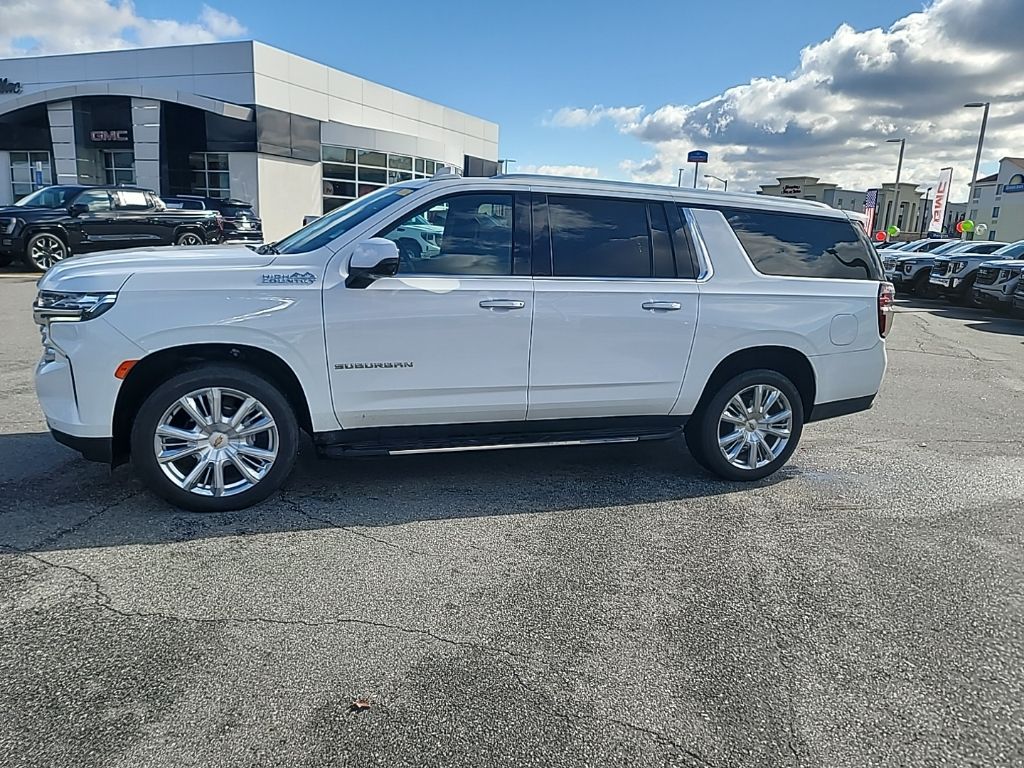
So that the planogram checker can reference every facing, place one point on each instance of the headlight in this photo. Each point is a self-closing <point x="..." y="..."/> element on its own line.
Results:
<point x="7" y="226"/>
<point x="958" y="266"/>
<point x="54" y="306"/>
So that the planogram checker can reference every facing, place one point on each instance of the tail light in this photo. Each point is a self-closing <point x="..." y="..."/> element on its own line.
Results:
<point x="886" y="298"/>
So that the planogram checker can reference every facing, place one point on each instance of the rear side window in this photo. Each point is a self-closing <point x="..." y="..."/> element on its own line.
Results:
<point x="599" y="237"/>
<point x="804" y="246"/>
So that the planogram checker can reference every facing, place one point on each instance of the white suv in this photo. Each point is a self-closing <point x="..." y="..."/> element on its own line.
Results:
<point x="554" y="312"/>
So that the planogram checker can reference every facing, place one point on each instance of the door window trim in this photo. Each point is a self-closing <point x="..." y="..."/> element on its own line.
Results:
<point x="680" y="237"/>
<point x="519" y="198"/>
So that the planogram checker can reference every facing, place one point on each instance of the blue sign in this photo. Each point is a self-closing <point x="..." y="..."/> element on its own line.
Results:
<point x="1014" y="188"/>
<point x="697" y="156"/>
<point x="38" y="174"/>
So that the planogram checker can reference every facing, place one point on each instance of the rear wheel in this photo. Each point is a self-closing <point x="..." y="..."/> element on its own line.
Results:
<point x="188" y="238"/>
<point x="749" y="428"/>
<point x="215" y="439"/>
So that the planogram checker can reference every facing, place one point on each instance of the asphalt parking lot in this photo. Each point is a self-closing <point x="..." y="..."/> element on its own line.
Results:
<point x="590" y="606"/>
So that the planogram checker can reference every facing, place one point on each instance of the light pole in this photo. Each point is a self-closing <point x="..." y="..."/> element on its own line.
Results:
<point x="926" y="214"/>
<point x="977" y="156"/>
<point x="716" y="178"/>
<point x="680" y="182"/>
<point x="899" y="170"/>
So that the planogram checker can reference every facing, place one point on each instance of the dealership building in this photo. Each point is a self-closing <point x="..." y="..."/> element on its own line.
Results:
<point x="237" y="119"/>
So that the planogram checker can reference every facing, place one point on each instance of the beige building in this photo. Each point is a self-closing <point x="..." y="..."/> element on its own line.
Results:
<point x="911" y="201"/>
<point x="998" y="202"/>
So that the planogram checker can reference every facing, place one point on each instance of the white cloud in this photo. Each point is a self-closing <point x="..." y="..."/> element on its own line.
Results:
<point x="582" y="171"/>
<point x="33" y="27"/>
<point x="581" y="117"/>
<point x="830" y="117"/>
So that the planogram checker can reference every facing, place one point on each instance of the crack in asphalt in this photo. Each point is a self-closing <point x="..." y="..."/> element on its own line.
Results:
<point x="56" y="536"/>
<point x="102" y="601"/>
<point x="926" y="328"/>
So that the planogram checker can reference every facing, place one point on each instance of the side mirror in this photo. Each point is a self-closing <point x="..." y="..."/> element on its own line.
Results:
<point x="77" y="209"/>
<point x="371" y="260"/>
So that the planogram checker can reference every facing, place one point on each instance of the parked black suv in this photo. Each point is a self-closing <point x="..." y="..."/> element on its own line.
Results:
<point x="55" y="222"/>
<point x="240" y="221"/>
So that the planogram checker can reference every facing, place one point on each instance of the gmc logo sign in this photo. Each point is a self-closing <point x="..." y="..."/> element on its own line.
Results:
<point x="6" y="86"/>
<point x="109" y="135"/>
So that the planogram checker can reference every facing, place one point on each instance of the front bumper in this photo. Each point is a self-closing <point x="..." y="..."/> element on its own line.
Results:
<point x="946" y="283"/>
<point x="992" y="297"/>
<point x="12" y="245"/>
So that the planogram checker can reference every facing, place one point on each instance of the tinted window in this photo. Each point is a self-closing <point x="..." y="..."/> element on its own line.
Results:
<point x="596" y="237"/>
<point x="664" y="261"/>
<point x="457" y="235"/>
<point x="95" y="199"/>
<point x="986" y="248"/>
<point x="804" y="246"/>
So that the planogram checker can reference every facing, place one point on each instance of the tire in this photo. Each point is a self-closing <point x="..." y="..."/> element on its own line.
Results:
<point x="964" y="295"/>
<point x="707" y="431"/>
<point x="233" y="453"/>
<point x="189" y="238"/>
<point x="922" y="287"/>
<point x="43" y="250"/>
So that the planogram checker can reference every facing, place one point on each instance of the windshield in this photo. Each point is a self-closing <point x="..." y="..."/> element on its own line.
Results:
<point x="1013" y="250"/>
<point x="49" y="197"/>
<point x="339" y="221"/>
<point x="951" y="247"/>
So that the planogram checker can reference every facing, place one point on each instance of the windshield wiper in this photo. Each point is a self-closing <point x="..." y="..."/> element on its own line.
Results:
<point x="268" y="248"/>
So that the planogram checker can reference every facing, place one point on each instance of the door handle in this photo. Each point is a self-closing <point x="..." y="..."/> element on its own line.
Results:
<point x="502" y="304"/>
<point x="662" y="306"/>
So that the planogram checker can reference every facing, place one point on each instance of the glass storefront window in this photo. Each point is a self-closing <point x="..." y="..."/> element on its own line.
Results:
<point x="210" y="175"/>
<point x="119" y="167"/>
<point x="350" y="172"/>
<point x="370" y="157"/>
<point x="23" y="166"/>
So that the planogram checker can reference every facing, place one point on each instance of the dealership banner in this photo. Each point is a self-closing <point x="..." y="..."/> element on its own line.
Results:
<point x="941" y="197"/>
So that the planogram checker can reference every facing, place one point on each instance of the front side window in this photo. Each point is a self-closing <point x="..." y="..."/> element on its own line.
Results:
<point x="794" y="245"/>
<point x="599" y="237"/>
<point x="95" y="200"/>
<point x="466" y="234"/>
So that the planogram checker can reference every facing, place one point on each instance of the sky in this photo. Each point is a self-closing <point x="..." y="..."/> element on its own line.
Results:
<point x="624" y="90"/>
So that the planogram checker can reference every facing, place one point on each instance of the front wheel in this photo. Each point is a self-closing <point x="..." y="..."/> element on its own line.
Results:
<point x="749" y="428"/>
<point x="188" y="238"/>
<point x="214" y="439"/>
<point x="43" y="250"/>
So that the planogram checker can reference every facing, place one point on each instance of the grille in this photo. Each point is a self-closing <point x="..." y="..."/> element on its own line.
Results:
<point x="987" y="276"/>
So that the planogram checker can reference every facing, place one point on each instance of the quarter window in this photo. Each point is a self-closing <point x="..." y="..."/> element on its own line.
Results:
<point x="598" y="237"/>
<point x="803" y="246"/>
<point x="468" y="234"/>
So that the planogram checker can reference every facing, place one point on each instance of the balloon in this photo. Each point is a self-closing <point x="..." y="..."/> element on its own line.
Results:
<point x="960" y="226"/>
<point x="893" y="230"/>
<point x="980" y="229"/>
<point x="968" y="225"/>
<point x="880" y="236"/>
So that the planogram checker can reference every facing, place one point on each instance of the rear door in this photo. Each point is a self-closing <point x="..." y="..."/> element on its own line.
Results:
<point x="98" y="223"/>
<point x="137" y="223"/>
<point x="616" y="307"/>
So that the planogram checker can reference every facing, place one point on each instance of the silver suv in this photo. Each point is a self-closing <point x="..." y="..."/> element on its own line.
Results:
<point x="953" y="274"/>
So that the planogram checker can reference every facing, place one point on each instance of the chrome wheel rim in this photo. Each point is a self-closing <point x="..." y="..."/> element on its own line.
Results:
<point x="216" y="442"/>
<point x="755" y="427"/>
<point x="189" y="239"/>
<point x="46" y="251"/>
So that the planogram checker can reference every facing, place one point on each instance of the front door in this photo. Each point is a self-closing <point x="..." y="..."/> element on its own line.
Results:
<point x="615" y="318"/>
<point x="446" y="340"/>
<point x="97" y="224"/>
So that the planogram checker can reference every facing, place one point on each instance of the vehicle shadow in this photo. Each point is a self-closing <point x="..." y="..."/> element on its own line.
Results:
<point x="976" y="318"/>
<point x="51" y="499"/>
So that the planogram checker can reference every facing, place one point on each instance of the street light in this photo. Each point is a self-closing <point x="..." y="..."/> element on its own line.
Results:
<point x="716" y="178"/>
<point x="977" y="156"/>
<point x="899" y="170"/>
<point x="680" y="182"/>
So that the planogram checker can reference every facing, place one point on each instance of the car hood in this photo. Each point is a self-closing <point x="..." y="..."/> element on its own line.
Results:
<point x="110" y="270"/>
<point x="37" y="213"/>
<point x="1004" y="263"/>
